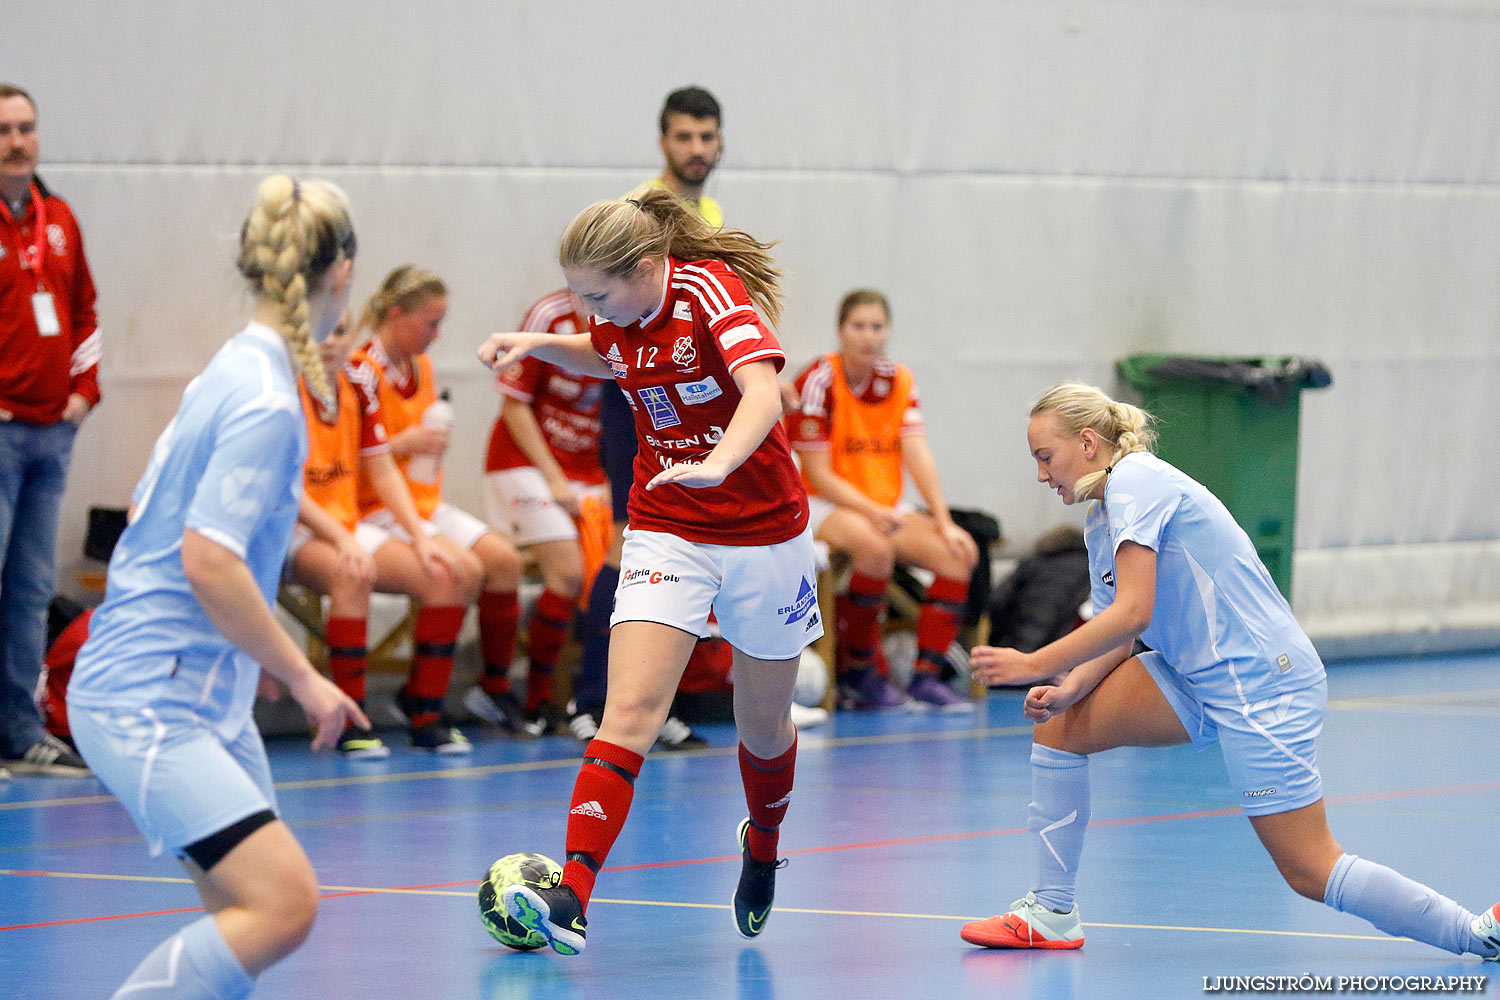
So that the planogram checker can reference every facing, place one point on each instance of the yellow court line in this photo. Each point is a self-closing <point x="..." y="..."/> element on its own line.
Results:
<point x="805" y="744"/>
<point x="381" y="891"/>
<point x="78" y="800"/>
<point x="94" y="875"/>
<point x="1420" y="706"/>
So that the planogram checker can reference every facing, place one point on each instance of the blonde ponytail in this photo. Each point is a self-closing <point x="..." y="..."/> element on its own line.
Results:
<point x="293" y="235"/>
<point x="612" y="237"/>
<point x="1124" y="426"/>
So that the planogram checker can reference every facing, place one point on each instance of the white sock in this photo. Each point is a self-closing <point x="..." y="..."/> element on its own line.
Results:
<point x="1057" y="818"/>
<point x="193" y="964"/>
<point x="1398" y="905"/>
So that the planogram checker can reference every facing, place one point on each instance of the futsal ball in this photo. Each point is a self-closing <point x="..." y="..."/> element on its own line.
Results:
<point x="535" y="870"/>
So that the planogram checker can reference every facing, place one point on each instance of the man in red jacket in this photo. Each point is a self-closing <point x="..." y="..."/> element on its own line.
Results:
<point x="49" y="365"/>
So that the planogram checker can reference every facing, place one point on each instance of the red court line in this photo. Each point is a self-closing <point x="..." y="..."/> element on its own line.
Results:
<point x="904" y="841"/>
<point x="90" y="920"/>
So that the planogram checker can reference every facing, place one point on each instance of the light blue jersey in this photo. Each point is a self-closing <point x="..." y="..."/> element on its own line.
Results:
<point x="228" y="466"/>
<point x="1218" y="619"/>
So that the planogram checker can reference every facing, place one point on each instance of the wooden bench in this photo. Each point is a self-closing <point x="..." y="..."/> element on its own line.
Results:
<point x="306" y="607"/>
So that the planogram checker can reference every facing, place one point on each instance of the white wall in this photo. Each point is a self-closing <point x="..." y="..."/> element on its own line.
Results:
<point x="1039" y="185"/>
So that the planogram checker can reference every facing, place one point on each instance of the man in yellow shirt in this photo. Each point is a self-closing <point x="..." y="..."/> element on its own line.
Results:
<point x="691" y="144"/>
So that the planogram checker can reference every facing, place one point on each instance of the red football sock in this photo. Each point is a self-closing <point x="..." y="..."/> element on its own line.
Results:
<point x="544" y="639"/>
<point x="938" y="621"/>
<point x="768" y="790"/>
<point x="499" y="615"/>
<point x="858" y="624"/>
<point x="436" y="635"/>
<point x="601" y="801"/>
<point x="347" y="655"/>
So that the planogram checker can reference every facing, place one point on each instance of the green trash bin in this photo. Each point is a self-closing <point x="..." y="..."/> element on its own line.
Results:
<point x="1232" y="424"/>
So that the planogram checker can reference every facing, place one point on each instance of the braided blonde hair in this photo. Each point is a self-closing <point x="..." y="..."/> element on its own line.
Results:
<point x="293" y="235"/>
<point x="408" y="286"/>
<point x="613" y="236"/>
<point x="1126" y="427"/>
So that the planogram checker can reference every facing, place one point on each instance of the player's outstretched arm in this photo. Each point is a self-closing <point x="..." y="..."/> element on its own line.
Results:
<point x="574" y="352"/>
<point x="1117" y="625"/>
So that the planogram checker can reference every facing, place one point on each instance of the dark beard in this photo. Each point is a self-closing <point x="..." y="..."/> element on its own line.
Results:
<point x="681" y="178"/>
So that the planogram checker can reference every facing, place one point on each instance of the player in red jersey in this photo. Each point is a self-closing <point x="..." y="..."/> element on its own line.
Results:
<point x="540" y="473"/>
<point x="718" y="519"/>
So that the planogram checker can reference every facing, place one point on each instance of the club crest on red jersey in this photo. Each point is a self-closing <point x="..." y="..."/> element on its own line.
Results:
<point x="683" y="352"/>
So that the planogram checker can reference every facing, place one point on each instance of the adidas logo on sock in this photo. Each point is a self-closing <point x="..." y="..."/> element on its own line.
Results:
<point x="589" y="808"/>
<point x="781" y="802"/>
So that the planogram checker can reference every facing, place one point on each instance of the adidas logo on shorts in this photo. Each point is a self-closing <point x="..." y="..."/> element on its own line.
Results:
<point x="589" y="808"/>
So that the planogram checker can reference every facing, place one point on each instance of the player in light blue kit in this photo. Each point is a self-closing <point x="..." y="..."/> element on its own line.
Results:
<point x="1229" y="665"/>
<point x="160" y="701"/>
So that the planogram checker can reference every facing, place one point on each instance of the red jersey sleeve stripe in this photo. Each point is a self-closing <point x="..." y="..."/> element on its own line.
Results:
<point x="716" y="299"/>
<point x="363" y="377"/>
<point x="710" y="284"/>
<point x="719" y="287"/>
<point x="767" y="354"/>
<point x="815" y="390"/>
<point x="711" y="307"/>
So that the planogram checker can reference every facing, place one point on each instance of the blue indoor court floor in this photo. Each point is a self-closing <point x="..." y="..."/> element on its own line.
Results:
<point x="902" y="827"/>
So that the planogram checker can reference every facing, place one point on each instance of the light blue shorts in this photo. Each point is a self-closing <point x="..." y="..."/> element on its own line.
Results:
<point x="1269" y="747"/>
<point x="178" y="780"/>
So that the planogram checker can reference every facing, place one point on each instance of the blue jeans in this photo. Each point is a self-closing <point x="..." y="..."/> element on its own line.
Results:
<point x="33" y="473"/>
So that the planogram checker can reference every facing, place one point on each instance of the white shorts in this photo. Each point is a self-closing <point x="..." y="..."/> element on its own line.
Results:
<point x="819" y="509"/>
<point x="765" y="596"/>
<point x="172" y="773"/>
<point x="368" y="536"/>
<point x="519" y="503"/>
<point x="1269" y="747"/>
<point x="459" y="527"/>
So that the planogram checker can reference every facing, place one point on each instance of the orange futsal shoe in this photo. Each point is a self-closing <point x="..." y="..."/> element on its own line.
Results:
<point x="1486" y="929"/>
<point x="1029" y="924"/>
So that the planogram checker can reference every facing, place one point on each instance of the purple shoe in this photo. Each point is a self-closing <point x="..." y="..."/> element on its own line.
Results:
<point x="866" y="688"/>
<point x="932" y="694"/>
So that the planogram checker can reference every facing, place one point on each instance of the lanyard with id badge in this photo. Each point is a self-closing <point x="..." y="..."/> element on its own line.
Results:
<point x="42" y="305"/>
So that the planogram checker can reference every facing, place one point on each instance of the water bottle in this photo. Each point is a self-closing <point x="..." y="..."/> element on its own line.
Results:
<point x="423" y="468"/>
